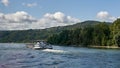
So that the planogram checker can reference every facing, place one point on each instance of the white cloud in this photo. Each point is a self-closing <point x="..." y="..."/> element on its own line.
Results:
<point x="61" y="18"/>
<point x="112" y="18"/>
<point x="119" y="17"/>
<point x="22" y="20"/>
<point x="15" y="21"/>
<point x="55" y="19"/>
<point x="29" y="4"/>
<point x="104" y="15"/>
<point x="5" y="2"/>
<point x="18" y="17"/>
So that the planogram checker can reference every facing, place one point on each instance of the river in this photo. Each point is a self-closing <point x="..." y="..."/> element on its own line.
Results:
<point x="14" y="55"/>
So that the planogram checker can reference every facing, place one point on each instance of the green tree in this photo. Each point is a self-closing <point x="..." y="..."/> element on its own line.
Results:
<point x="101" y="34"/>
<point x="87" y="34"/>
<point x="117" y="39"/>
<point x="115" y="31"/>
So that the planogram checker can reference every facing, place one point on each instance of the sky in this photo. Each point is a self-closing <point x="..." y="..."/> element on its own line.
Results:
<point x="40" y="14"/>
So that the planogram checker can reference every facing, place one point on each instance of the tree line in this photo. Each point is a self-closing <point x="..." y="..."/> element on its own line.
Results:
<point x="101" y="34"/>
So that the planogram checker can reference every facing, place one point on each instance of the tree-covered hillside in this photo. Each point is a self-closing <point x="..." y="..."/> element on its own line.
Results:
<point x="101" y="34"/>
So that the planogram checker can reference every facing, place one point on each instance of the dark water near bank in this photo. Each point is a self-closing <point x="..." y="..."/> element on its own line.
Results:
<point x="18" y="56"/>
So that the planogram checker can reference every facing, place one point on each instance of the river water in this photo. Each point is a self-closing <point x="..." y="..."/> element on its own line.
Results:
<point x="18" y="56"/>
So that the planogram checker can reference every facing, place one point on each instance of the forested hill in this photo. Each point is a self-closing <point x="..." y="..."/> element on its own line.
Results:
<point x="76" y="26"/>
<point x="101" y="34"/>
<point x="44" y="34"/>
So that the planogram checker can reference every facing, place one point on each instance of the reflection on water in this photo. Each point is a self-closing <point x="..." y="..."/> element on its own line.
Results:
<point x="18" y="56"/>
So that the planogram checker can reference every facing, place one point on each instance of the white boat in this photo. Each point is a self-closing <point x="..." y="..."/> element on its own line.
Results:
<point x="42" y="45"/>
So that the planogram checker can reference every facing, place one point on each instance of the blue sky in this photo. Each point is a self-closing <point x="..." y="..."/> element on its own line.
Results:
<point x="102" y="10"/>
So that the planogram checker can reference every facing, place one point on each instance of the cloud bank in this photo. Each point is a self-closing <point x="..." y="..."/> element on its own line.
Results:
<point x="104" y="15"/>
<point x="22" y="20"/>
<point x="5" y="2"/>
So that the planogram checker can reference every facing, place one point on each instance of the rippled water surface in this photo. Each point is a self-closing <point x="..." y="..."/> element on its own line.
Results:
<point x="18" y="56"/>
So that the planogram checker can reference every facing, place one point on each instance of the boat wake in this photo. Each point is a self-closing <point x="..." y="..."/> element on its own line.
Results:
<point x="54" y="51"/>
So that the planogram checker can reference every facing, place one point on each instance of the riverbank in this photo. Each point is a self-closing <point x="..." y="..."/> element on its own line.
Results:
<point x="105" y="47"/>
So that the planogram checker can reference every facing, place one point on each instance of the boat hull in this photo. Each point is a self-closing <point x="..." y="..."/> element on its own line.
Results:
<point x="41" y="48"/>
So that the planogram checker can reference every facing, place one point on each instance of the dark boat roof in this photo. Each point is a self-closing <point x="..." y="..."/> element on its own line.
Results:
<point x="39" y="41"/>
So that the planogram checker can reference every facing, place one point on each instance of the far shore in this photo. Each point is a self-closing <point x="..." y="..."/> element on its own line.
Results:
<point x="105" y="47"/>
<point x="91" y="46"/>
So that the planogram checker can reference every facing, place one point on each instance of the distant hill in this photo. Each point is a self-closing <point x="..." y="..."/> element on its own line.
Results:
<point x="83" y="24"/>
<point x="77" y="25"/>
<point x="29" y="35"/>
